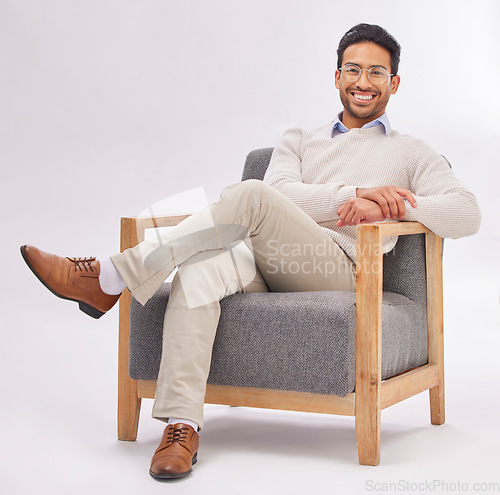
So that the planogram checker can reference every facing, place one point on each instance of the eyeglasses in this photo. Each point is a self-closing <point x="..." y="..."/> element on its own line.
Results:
<point x="376" y="75"/>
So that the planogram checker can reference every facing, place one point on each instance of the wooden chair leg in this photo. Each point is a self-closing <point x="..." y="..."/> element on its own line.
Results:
<point x="129" y="403"/>
<point x="434" y="254"/>
<point x="368" y="343"/>
<point x="436" y="397"/>
<point x="368" y="435"/>
<point x="129" y="408"/>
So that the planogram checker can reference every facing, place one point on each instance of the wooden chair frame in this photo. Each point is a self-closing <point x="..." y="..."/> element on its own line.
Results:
<point x="372" y="394"/>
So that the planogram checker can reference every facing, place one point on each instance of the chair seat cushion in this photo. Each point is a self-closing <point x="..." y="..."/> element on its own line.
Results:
<point x="300" y="341"/>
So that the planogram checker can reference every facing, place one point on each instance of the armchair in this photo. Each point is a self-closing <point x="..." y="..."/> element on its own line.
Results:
<point x="328" y="352"/>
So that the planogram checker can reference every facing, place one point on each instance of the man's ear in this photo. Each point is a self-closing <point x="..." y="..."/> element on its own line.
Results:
<point x="337" y="79"/>
<point x="395" y="84"/>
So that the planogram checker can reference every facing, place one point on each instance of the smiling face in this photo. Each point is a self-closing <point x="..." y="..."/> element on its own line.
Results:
<point x="363" y="100"/>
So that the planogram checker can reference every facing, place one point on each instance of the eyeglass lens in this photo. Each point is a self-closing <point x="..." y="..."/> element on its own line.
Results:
<point x="376" y="75"/>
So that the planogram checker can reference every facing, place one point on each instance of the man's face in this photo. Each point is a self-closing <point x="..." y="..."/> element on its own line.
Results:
<point x="363" y="100"/>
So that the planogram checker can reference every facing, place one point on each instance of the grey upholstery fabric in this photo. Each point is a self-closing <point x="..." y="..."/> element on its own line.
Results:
<point x="256" y="164"/>
<point x="303" y="341"/>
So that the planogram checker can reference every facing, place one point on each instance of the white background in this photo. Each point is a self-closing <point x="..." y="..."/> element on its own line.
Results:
<point x="108" y="106"/>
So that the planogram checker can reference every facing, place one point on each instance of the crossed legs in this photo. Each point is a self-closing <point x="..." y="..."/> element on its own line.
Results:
<point x="252" y="239"/>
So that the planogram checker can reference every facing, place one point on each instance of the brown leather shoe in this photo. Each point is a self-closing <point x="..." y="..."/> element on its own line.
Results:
<point x="177" y="452"/>
<point x="75" y="279"/>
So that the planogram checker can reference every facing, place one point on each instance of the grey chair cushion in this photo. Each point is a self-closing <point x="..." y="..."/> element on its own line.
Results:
<point x="302" y="341"/>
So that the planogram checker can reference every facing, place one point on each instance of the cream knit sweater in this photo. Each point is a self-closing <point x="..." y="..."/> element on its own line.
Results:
<point x="319" y="173"/>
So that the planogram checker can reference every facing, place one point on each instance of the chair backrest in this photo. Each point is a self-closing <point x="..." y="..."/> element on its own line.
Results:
<point x="256" y="164"/>
<point x="404" y="266"/>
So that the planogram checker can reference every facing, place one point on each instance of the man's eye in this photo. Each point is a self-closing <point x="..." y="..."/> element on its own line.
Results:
<point x="352" y="70"/>
<point x="377" y="72"/>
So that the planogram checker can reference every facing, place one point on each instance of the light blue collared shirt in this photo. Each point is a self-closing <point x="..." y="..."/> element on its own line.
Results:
<point x="382" y="120"/>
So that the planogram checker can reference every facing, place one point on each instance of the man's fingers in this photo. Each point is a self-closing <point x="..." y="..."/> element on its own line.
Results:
<point x="397" y="204"/>
<point x="409" y="196"/>
<point x="393" y="205"/>
<point x="401" y="208"/>
<point x="348" y="215"/>
<point x="382" y="202"/>
<point x="390" y="199"/>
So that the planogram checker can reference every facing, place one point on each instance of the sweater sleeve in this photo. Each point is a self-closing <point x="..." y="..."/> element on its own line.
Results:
<point x="319" y="201"/>
<point x="444" y="204"/>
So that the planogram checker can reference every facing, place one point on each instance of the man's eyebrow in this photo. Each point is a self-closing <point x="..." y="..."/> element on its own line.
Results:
<point x="371" y="66"/>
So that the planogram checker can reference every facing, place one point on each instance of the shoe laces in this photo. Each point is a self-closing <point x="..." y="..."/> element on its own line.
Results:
<point x="82" y="263"/>
<point x="178" y="434"/>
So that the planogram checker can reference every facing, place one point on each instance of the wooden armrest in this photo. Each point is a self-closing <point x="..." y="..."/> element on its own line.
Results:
<point x="132" y="228"/>
<point x="163" y="221"/>
<point x="398" y="228"/>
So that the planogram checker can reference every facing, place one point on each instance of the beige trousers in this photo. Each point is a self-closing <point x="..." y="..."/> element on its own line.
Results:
<point x="253" y="239"/>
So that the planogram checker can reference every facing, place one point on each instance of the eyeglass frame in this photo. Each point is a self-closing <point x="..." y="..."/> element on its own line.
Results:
<point x="368" y="72"/>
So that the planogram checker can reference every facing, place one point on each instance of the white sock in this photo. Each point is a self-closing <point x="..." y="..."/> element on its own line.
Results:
<point x="109" y="279"/>
<point x="174" y="421"/>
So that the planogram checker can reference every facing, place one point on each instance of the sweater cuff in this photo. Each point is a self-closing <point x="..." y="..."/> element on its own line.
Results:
<point x="343" y="194"/>
<point x="413" y="214"/>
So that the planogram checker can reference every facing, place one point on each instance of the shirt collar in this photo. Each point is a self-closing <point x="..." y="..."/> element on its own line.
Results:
<point x="382" y="120"/>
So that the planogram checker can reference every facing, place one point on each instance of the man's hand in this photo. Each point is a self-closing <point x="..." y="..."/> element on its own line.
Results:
<point x="356" y="211"/>
<point x="389" y="198"/>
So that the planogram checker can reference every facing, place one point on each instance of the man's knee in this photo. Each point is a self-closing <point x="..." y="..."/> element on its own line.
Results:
<point x="252" y="188"/>
<point x="256" y="186"/>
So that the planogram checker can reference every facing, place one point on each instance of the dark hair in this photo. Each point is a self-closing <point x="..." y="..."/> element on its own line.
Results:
<point x="374" y="34"/>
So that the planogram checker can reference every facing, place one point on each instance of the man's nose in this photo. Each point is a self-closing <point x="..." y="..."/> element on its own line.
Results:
<point x="363" y="80"/>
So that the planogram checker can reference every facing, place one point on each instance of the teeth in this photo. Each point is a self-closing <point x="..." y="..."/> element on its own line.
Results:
<point x="363" y="97"/>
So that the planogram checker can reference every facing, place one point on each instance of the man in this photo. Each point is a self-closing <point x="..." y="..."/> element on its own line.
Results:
<point x="320" y="184"/>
